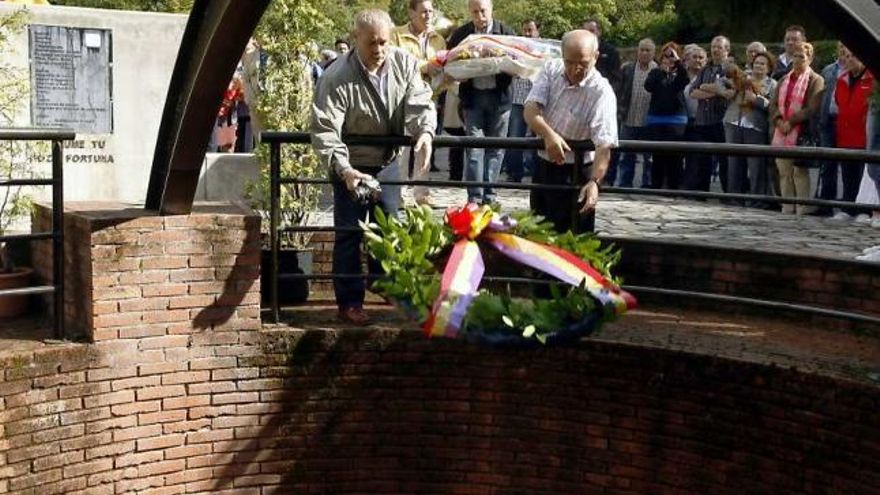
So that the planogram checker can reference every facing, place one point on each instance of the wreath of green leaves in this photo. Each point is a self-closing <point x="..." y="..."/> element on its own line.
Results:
<point x="409" y="248"/>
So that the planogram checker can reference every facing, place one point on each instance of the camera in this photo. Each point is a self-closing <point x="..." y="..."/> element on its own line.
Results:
<point x="366" y="192"/>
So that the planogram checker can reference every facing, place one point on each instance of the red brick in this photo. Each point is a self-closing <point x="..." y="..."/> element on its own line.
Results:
<point x="212" y="363"/>
<point x="211" y="411"/>
<point x="136" y="432"/>
<point x="161" y="442"/>
<point x="207" y="387"/>
<point x="55" y="434"/>
<point x="21" y="483"/>
<point x="186" y="402"/>
<point x="115" y="293"/>
<point x="205" y="261"/>
<point x="88" y="468"/>
<point x="160" y="368"/>
<point x="135" y="458"/>
<point x="163" y="342"/>
<point x="186" y="426"/>
<point x="109" y="399"/>
<point x="161" y="417"/>
<point x="84" y="389"/>
<point x="165" y="316"/>
<point x="55" y="461"/>
<point x="208" y="436"/>
<point x="143" y="277"/>
<point x="144" y="304"/>
<point x="136" y="407"/>
<point x="210" y="460"/>
<point x="135" y="382"/>
<point x="189" y="475"/>
<point x="161" y="467"/>
<point x="160" y="392"/>
<point x="109" y="450"/>
<point x="109" y="374"/>
<point x="164" y="237"/>
<point x="187" y="451"/>
<point x="199" y="301"/>
<point x="111" y="424"/>
<point x="82" y="443"/>
<point x="164" y="290"/>
<point x="164" y="262"/>
<point x="105" y="308"/>
<point x="186" y="377"/>
<point x="192" y="275"/>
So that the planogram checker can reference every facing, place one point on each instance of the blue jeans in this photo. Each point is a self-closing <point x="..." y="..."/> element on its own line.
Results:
<point x="626" y="162"/>
<point x="517" y="162"/>
<point x="350" y="292"/>
<point x="486" y="117"/>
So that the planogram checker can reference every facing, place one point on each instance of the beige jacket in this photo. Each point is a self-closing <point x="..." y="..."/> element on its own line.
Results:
<point x="346" y="103"/>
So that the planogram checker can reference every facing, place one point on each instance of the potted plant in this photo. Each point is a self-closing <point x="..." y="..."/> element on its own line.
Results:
<point x="279" y="87"/>
<point x="16" y="162"/>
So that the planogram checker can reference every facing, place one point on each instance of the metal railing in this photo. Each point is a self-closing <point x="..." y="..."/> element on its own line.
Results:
<point x="57" y="138"/>
<point x="275" y="139"/>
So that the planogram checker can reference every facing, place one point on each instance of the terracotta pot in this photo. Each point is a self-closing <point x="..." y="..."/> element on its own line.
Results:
<point x="12" y="306"/>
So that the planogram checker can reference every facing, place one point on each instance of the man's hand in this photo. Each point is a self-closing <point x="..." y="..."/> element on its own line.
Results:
<point x="589" y="196"/>
<point x="556" y="148"/>
<point x="422" y="150"/>
<point x="352" y="178"/>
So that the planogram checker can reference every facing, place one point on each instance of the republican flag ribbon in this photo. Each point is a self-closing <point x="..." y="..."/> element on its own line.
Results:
<point x="465" y="268"/>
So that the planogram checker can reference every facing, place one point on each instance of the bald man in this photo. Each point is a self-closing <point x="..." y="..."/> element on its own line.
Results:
<point x="571" y="101"/>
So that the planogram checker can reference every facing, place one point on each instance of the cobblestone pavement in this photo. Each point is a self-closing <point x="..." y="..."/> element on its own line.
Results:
<point x="693" y="222"/>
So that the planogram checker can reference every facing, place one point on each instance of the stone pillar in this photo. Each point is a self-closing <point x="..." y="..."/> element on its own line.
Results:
<point x="132" y="274"/>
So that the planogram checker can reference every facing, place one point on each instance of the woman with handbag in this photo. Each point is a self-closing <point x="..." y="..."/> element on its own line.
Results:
<point x="797" y="99"/>
<point x="746" y="122"/>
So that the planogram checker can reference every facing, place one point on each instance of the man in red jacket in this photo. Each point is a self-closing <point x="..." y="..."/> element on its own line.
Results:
<point x="852" y="95"/>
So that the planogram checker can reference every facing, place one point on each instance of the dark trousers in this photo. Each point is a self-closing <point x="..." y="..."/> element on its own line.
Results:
<point x="558" y="206"/>
<point x="667" y="168"/>
<point x="851" y="173"/>
<point x="827" y="186"/>
<point x="456" y="155"/>
<point x="350" y="292"/>
<point x="698" y="173"/>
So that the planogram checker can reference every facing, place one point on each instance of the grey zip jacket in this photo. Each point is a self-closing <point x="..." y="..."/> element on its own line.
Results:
<point x="347" y="103"/>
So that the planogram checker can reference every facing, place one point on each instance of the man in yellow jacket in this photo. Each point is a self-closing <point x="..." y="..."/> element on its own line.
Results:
<point x="419" y="38"/>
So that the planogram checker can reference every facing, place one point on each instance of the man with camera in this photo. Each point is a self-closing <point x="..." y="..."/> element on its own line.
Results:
<point x="377" y="90"/>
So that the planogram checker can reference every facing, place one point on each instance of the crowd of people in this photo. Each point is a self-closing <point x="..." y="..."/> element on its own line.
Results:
<point x="676" y="94"/>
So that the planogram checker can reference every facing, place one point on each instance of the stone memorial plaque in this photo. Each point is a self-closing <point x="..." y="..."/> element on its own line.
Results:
<point x="71" y="79"/>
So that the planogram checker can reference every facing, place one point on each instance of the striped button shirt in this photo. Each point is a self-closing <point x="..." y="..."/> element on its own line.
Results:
<point x="585" y="111"/>
<point x="520" y="88"/>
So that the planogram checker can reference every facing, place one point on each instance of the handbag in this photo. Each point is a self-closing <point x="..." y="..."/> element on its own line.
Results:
<point x="226" y="136"/>
<point x="806" y="140"/>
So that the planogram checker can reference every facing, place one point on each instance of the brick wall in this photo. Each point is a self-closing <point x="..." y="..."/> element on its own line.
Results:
<point x="186" y="392"/>
<point x="129" y="273"/>
<point x="287" y="411"/>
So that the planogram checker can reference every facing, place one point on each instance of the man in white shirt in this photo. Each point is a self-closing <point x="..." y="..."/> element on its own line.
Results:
<point x="570" y="100"/>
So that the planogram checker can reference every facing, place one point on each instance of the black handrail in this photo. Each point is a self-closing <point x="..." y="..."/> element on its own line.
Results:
<point x="57" y="138"/>
<point x="275" y="139"/>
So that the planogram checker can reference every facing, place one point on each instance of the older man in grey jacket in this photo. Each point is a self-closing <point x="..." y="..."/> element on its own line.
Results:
<point x="375" y="89"/>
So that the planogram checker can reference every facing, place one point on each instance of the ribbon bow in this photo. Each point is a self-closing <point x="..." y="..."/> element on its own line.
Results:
<point x="465" y="268"/>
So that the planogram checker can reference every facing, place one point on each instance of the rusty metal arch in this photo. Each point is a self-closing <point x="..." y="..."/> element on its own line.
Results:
<point x="216" y="35"/>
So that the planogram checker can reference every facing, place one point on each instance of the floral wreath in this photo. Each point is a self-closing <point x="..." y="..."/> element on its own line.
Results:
<point x="452" y="305"/>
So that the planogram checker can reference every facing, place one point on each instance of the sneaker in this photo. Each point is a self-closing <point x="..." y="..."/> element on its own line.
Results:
<point x="875" y="257"/>
<point x="840" y="217"/>
<point x="355" y="316"/>
<point x="863" y="218"/>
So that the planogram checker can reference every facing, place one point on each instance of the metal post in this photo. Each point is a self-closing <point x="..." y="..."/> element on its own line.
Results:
<point x="274" y="200"/>
<point x="576" y="180"/>
<point x="58" y="235"/>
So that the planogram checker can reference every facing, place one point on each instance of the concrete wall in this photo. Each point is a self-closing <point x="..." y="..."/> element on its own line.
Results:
<point x="145" y="48"/>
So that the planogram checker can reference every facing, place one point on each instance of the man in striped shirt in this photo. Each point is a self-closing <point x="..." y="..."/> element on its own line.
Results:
<point x="570" y="100"/>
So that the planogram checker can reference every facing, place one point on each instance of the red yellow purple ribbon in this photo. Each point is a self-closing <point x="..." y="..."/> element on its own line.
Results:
<point x="465" y="268"/>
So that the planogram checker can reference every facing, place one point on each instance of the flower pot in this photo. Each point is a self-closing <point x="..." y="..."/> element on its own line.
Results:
<point x="290" y="291"/>
<point x="12" y="306"/>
